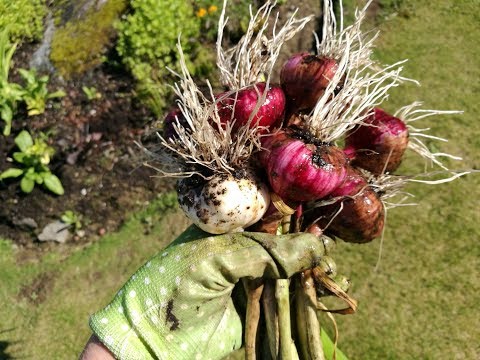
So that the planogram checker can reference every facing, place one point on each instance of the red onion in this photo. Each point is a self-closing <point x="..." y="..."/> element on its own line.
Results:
<point x="304" y="78"/>
<point x="354" y="183"/>
<point x="300" y="167"/>
<point x="378" y="145"/>
<point x="239" y="106"/>
<point x="172" y="117"/>
<point x="357" y="217"/>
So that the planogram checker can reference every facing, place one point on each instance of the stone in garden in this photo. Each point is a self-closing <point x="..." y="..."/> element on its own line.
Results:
<point x="55" y="231"/>
<point x="26" y="223"/>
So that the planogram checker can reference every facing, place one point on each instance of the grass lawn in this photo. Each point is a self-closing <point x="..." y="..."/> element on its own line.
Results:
<point x="46" y="303"/>
<point x="420" y="304"/>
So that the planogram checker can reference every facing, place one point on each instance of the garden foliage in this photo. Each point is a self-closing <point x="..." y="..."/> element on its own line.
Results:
<point x="147" y="42"/>
<point x="24" y="18"/>
<point x="149" y="34"/>
<point x="33" y="158"/>
<point x="10" y="93"/>
<point x="34" y="94"/>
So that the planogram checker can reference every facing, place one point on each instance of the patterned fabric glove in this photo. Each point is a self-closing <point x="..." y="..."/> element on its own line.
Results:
<point x="179" y="304"/>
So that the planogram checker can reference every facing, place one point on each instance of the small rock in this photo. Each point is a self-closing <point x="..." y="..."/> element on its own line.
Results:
<point x="63" y="143"/>
<point x="73" y="157"/>
<point x="55" y="231"/>
<point x="25" y="223"/>
<point x="40" y="58"/>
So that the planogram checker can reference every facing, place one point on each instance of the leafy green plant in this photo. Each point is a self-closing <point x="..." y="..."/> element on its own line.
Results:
<point x="35" y="92"/>
<point x="34" y="156"/>
<point x="73" y="219"/>
<point x="10" y="93"/>
<point x="147" y="44"/>
<point x="91" y="93"/>
<point x="24" y="18"/>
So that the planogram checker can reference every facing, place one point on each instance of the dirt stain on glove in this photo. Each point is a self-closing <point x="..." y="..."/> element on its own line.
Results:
<point x="170" y="317"/>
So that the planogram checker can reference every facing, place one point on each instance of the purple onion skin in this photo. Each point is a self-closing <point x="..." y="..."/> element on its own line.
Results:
<point x="304" y="78"/>
<point x="357" y="217"/>
<point x="298" y="171"/>
<point x="354" y="183"/>
<point x="270" y="114"/>
<point x="379" y="147"/>
<point x="171" y="118"/>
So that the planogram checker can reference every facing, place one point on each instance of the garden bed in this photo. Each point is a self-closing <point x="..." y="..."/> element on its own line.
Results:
<point x="96" y="160"/>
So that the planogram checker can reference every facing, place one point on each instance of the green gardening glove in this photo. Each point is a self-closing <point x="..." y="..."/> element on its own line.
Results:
<point x="179" y="304"/>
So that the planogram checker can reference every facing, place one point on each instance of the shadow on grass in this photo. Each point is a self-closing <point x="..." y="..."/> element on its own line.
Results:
<point x="4" y="353"/>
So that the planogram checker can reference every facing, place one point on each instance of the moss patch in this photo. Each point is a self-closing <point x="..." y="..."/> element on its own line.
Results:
<point x="80" y="44"/>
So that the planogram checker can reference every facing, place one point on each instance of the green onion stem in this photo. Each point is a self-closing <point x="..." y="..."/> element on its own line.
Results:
<point x="271" y="318"/>
<point x="285" y="332"/>
<point x="254" y="289"/>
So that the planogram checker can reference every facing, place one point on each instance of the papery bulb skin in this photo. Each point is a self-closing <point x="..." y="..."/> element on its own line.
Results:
<point x="168" y="130"/>
<point x="361" y="220"/>
<point x="304" y="78"/>
<point x="225" y="203"/>
<point x="342" y="281"/>
<point x="300" y="168"/>
<point x="379" y="144"/>
<point x="358" y="216"/>
<point x="239" y="106"/>
<point x="269" y="222"/>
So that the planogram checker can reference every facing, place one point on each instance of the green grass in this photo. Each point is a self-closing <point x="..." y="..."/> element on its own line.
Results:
<point x="420" y="304"/>
<point x="51" y="321"/>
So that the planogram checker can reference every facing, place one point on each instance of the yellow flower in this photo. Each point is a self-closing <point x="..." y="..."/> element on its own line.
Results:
<point x="212" y="9"/>
<point x="201" y="12"/>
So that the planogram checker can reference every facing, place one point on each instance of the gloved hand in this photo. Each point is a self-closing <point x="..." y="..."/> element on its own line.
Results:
<point x="179" y="304"/>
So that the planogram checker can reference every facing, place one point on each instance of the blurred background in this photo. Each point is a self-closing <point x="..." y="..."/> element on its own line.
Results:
<point x="82" y="81"/>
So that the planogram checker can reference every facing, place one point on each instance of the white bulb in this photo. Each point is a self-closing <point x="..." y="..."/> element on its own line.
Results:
<point x="224" y="203"/>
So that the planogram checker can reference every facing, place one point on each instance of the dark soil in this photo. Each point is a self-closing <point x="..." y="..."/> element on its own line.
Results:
<point x="96" y="159"/>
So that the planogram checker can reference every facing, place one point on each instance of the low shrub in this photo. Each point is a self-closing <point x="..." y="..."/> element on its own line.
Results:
<point x="147" y="43"/>
<point x="24" y="18"/>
